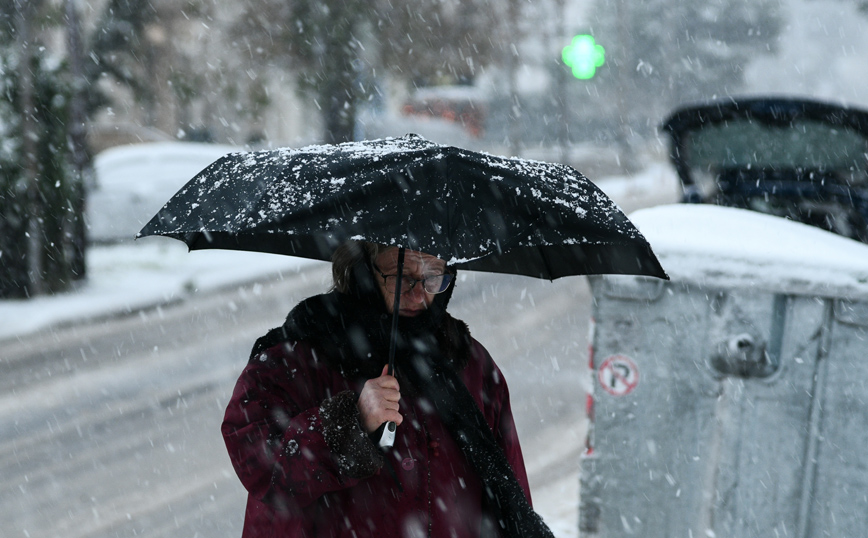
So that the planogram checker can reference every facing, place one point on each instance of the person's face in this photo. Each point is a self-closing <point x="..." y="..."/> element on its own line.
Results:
<point x="417" y="265"/>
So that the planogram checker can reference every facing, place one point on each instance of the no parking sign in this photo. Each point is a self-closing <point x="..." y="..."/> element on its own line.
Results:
<point x="618" y="375"/>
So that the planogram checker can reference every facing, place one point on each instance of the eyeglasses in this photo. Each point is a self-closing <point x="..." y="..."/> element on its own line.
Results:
<point x="430" y="283"/>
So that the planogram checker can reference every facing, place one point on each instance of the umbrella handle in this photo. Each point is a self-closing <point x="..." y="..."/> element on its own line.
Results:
<point x="396" y="309"/>
<point x="387" y="439"/>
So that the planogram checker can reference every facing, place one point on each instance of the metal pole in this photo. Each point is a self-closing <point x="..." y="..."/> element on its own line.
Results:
<point x="560" y="91"/>
<point x="395" y="311"/>
<point x="388" y="437"/>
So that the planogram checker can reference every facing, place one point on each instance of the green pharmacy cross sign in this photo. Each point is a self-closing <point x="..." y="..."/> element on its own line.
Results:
<point x="584" y="56"/>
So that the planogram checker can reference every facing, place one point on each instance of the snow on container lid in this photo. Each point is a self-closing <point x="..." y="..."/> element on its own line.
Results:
<point x="723" y="247"/>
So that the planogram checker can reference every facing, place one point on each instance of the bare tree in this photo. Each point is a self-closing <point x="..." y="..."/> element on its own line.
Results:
<point x="73" y="228"/>
<point x="41" y="228"/>
<point x="24" y="14"/>
<point x="143" y="46"/>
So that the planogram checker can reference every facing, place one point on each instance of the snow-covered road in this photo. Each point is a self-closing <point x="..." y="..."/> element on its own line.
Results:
<point x="115" y="425"/>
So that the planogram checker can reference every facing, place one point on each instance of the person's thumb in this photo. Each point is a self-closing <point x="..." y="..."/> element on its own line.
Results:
<point x="385" y="370"/>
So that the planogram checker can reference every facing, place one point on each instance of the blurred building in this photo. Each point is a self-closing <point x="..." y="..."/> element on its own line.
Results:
<point x="194" y="80"/>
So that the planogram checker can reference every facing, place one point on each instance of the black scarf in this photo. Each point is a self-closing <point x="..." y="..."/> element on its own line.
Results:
<point x="354" y="330"/>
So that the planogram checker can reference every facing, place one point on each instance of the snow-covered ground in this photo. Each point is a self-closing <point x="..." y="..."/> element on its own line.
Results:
<point x="129" y="277"/>
<point x="705" y="244"/>
<point x="133" y="182"/>
<point x="693" y="243"/>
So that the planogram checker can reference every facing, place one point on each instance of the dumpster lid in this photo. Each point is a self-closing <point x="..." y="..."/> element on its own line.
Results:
<point x="724" y="247"/>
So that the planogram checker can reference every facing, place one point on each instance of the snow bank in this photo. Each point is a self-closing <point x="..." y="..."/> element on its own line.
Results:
<point x="133" y="182"/>
<point x="145" y="166"/>
<point x="145" y="274"/>
<point x="722" y="247"/>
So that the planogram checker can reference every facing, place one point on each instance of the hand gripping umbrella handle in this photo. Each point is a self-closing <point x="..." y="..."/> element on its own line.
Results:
<point x="387" y="439"/>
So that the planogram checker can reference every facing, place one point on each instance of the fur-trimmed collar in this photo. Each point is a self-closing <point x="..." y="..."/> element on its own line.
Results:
<point x="354" y="336"/>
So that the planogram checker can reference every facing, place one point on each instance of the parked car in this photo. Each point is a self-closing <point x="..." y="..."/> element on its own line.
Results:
<point x="796" y="158"/>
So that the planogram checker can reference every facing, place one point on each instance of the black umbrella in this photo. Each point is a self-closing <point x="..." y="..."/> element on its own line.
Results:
<point x="475" y="211"/>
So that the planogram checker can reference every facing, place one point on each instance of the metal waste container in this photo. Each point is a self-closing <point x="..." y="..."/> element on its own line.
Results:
<point x="731" y="401"/>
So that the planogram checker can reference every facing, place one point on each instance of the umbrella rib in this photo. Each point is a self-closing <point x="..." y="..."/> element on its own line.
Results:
<point x="396" y="308"/>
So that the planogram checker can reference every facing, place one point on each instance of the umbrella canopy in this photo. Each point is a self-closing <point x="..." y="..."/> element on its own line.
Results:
<point x="474" y="210"/>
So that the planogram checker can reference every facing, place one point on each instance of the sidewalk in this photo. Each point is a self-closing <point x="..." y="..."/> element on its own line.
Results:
<point x="126" y="278"/>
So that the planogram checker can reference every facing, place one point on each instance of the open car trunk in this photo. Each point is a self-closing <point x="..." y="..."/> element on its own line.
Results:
<point x="794" y="158"/>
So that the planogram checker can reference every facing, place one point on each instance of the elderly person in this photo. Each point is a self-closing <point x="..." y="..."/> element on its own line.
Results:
<point x="301" y="427"/>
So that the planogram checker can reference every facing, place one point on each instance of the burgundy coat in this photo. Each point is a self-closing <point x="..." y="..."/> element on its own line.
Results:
<point x="294" y="438"/>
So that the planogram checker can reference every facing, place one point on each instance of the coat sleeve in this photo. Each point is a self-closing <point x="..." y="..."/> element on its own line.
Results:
<point x="494" y="397"/>
<point x="292" y="432"/>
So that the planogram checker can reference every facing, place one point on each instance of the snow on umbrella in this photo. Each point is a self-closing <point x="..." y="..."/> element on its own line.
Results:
<point x="474" y="210"/>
